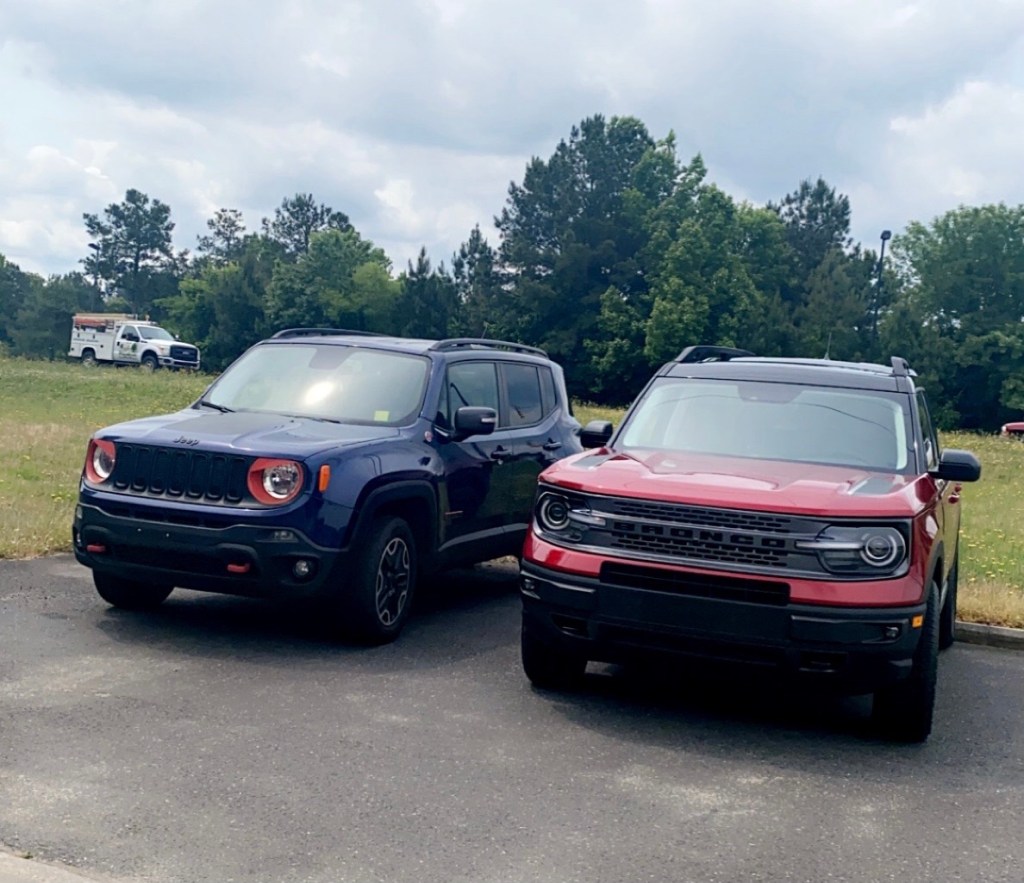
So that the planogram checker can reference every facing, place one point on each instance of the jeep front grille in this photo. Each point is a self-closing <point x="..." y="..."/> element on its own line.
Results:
<point x="196" y="476"/>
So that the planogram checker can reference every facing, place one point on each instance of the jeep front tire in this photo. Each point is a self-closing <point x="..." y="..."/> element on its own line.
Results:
<point x="129" y="594"/>
<point x="373" y="608"/>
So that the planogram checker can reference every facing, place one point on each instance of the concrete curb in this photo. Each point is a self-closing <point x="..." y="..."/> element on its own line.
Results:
<point x="990" y="635"/>
<point x="17" y="869"/>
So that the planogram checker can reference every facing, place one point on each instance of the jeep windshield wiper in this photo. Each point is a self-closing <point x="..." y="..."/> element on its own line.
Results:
<point x="224" y="409"/>
<point x="313" y="417"/>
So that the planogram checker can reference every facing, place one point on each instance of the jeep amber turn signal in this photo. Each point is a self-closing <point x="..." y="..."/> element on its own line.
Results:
<point x="274" y="482"/>
<point x="99" y="460"/>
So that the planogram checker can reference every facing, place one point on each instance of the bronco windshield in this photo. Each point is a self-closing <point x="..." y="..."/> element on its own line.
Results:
<point x="325" y="381"/>
<point x="773" y="421"/>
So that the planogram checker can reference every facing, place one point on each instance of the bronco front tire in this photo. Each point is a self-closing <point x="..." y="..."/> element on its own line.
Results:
<point x="548" y="667"/>
<point x="374" y="606"/>
<point x="129" y="594"/>
<point x="904" y="711"/>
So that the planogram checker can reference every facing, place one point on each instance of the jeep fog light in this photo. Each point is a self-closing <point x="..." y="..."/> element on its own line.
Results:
<point x="303" y="569"/>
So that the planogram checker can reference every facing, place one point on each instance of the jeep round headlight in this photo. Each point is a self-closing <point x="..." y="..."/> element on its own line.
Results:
<point x="274" y="482"/>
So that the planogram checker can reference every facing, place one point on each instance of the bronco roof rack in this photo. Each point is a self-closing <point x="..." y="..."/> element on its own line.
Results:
<point x="704" y="353"/>
<point x="453" y="343"/>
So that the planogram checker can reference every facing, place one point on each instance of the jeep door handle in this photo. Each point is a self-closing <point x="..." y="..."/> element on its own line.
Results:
<point x="552" y="446"/>
<point x="501" y="454"/>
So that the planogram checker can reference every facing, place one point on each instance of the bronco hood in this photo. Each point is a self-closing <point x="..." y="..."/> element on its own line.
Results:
<point x="740" y="483"/>
<point x="244" y="432"/>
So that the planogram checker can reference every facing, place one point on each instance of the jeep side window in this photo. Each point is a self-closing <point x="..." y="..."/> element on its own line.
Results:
<point x="930" y="439"/>
<point x="525" y="404"/>
<point x="468" y="384"/>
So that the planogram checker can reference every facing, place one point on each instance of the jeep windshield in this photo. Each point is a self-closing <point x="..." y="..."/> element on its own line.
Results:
<point x="772" y="421"/>
<point x="343" y="384"/>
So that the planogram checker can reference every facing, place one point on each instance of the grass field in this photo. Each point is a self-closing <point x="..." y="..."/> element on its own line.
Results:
<point x="48" y="412"/>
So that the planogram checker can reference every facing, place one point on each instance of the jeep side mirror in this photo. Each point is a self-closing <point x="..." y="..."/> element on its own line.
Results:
<point x="474" y="421"/>
<point x="958" y="466"/>
<point x="596" y="434"/>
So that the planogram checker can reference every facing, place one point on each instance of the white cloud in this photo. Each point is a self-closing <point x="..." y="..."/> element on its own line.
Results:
<point x="414" y="117"/>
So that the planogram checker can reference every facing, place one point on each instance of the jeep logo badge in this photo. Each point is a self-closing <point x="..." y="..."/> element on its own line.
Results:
<point x="182" y="440"/>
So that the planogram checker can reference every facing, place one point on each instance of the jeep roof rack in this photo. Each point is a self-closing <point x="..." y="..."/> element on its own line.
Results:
<point x="704" y="353"/>
<point x="453" y="343"/>
<point x="321" y="332"/>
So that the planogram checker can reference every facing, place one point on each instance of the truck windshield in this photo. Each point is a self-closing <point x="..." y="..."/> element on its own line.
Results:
<point x="326" y="382"/>
<point x="152" y="332"/>
<point x="773" y="421"/>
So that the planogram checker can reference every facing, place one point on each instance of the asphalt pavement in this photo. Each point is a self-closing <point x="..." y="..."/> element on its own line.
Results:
<point x="219" y="740"/>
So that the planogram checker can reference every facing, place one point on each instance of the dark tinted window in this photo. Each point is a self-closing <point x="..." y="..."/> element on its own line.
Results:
<point x="524" y="397"/>
<point x="931" y="441"/>
<point x="547" y="390"/>
<point x="468" y="384"/>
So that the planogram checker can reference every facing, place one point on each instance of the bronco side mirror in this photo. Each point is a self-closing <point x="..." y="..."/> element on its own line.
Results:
<point x="958" y="466"/>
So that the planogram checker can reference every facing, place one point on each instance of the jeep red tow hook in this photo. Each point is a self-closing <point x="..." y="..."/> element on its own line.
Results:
<point x="239" y="568"/>
<point x="96" y="549"/>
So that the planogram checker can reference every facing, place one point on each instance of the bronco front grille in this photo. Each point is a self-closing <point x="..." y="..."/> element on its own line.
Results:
<point x="197" y="476"/>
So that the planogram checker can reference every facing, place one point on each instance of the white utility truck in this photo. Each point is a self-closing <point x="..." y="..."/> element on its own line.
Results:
<point x="124" y="340"/>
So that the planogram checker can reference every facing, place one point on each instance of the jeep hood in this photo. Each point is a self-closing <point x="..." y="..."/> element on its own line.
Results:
<point x="739" y="483"/>
<point x="244" y="432"/>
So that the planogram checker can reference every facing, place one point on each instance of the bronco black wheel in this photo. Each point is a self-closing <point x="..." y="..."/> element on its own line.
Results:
<point x="129" y="594"/>
<point x="904" y="711"/>
<point x="375" y="606"/>
<point x="547" y="666"/>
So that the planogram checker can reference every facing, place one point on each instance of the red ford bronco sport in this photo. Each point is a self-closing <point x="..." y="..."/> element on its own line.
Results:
<point x="794" y="514"/>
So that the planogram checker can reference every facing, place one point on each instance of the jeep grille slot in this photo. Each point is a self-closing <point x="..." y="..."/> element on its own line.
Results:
<point x="751" y="591"/>
<point x="180" y="474"/>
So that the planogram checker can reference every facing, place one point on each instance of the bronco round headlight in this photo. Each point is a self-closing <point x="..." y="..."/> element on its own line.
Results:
<point x="553" y="512"/>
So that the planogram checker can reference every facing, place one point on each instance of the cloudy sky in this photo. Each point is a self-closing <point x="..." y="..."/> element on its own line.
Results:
<point x="412" y="116"/>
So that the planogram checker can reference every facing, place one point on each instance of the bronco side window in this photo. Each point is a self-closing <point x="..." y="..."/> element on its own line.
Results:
<point x="928" y="436"/>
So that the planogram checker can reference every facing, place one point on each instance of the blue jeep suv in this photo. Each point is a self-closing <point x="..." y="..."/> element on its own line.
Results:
<point x="330" y="464"/>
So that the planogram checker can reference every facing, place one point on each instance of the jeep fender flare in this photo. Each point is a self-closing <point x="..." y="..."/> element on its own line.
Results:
<point x="414" y="500"/>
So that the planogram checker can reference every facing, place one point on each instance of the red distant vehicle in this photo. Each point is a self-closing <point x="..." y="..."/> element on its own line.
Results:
<point x="1013" y="430"/>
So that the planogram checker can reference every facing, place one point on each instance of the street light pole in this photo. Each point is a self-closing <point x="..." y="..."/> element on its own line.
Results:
<point x="886" y="236"/>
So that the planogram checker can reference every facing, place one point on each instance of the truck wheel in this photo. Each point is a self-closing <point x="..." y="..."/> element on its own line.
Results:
<point x="129" y="594"/>
<point x="376" y="604"/>
<point x="149" y="362"/>
<point x="89" y="358"/>
<point x="947" y="620"/>
<point x="547" y="667"/>
<point x="904" y="710"/>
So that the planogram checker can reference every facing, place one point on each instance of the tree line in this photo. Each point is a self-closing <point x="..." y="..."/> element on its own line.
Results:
<point x="613" y="254"/>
